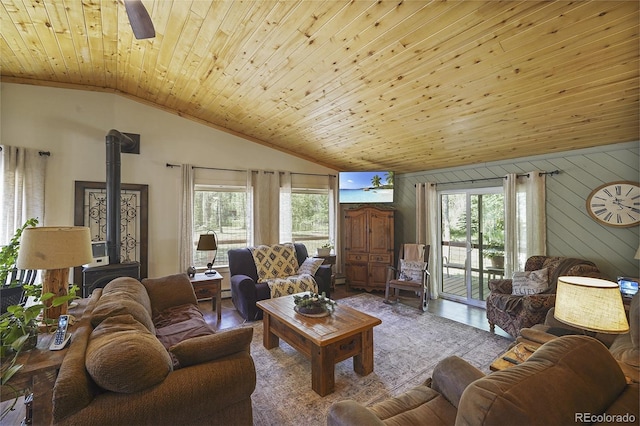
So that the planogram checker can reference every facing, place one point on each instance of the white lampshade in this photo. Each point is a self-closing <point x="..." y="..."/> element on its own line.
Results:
<point x="54" y="247"/>
<point x="591" y="304"/>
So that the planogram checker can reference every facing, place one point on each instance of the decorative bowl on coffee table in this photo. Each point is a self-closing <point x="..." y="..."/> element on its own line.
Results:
<point x="313" y="304"/>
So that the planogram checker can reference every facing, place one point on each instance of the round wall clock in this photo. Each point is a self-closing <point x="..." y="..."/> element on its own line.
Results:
<point x="615" y="204"/>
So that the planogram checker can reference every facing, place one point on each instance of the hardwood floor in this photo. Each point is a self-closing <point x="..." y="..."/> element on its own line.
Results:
<point x="470" y="315"/>
<point x="455" y="311"/>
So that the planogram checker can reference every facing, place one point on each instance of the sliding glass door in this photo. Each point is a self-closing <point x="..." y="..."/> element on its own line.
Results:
<point x="471" y="243"/>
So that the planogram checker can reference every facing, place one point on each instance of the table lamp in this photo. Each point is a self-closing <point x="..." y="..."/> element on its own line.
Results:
<point x="54" y="249"/>
<point x="208" y="242"/>
<point x="591" y="304"/>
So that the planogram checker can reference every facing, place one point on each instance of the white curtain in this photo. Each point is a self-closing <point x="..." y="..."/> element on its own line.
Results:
<point x="186" y="218"/>
<point x="334" y="209"/>
<point x="22" y="188"/>
<point x="265" y="192"/>
<point x="525" y="219"/>
<point x="286" y="216"/>
<point x="427" y="230"/>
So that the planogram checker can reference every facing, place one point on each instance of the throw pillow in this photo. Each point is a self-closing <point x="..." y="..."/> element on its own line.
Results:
<point x="172" y="290"/>
<point x="530" y="282"/>
<point x="411" y="270"/>
<point x="310" y="266"/>
<point x="207" y="348"/>
<point x="123" y="356"/>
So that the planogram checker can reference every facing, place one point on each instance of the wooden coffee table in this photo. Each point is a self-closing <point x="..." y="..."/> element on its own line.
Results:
<point x="326" y="341"/>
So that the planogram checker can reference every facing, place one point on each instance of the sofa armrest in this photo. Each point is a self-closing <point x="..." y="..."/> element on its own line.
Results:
<point x="351" y="413"/>
<point x="323" y="279"/>
<point x="538" y="302"/>
<point x="451" y="376"/>
<point x="214" y="346"/>
<point x="501" y="286"/>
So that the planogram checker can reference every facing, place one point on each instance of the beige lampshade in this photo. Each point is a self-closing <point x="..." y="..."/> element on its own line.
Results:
<point x="207" y="242"/>
<point x="591" y="304"/>
<point x="637" y="256"/>
<point x="54" y="247"/>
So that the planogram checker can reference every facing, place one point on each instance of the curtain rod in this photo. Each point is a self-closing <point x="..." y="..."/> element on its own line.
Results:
<point x="551" y="173"/>
<point x="237" y="170"/>
<point x="40" y="153"/>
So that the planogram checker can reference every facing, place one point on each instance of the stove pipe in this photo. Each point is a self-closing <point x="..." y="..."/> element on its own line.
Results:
<point x="114" y="141"/>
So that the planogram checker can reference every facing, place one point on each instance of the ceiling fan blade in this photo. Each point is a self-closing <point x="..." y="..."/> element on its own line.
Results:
<point x="139" y="19"/>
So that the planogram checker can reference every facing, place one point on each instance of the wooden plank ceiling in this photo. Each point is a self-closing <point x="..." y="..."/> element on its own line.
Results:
<point x="354" y="85"/>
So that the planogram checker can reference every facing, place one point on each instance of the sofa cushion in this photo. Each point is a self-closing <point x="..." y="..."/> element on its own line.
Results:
<point x="123" y="356"/>
<point x="179" y="323"/>
<point x="530" y="282"/>
<point x="276" y="261"/>
<point x="310" y="266"/>
<point x="172" y="290"/>
<point x="207" y="348"/>
<point x="115" y="304"/>
<point x="130" y="287"/>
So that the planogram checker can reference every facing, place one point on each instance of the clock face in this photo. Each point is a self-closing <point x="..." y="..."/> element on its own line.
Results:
<point x="615" y="204"/>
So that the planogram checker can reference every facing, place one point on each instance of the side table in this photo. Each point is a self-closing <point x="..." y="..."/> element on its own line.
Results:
<point x="329" y="260"/>
<point x="518" y="353"/>
<point x="39" y="371"/>
<point x="209" y="287"/>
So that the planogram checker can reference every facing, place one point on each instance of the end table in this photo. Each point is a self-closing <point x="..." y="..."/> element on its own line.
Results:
<point x="209" y="287"/>
<point x="329" y="260"/>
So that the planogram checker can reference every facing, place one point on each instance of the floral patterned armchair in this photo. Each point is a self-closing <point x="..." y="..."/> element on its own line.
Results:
<point x="515" y="312"/>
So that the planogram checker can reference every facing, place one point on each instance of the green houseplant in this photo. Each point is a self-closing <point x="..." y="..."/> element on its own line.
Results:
<point x="19" y="324"/>
<point x="325" y="249"/>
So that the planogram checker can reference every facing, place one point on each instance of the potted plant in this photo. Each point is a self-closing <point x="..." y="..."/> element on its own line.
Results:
<point x="495" y="253"/>
<point x="19" y="322"/>
<point x="313" y="304"/>
<point x="325" y="249"/>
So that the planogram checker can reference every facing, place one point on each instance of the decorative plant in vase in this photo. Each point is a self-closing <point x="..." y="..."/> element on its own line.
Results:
<point x="325" y="249"/>
<point x="313" y="304"/>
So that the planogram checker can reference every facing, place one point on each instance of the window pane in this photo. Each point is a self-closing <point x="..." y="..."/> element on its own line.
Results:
<point x="223" y="211"/>
<point x="310" y="219"/>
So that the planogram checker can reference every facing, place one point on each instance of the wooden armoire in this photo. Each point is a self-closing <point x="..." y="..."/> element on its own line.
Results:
<point x="368" y="246"/>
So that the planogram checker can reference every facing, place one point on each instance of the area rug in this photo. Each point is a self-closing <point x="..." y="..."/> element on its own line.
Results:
<point x="407" y="346"/>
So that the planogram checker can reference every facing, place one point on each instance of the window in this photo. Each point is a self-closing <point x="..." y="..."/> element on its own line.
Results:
<point x="222" y="209"/>
<point x="310" y="217"/>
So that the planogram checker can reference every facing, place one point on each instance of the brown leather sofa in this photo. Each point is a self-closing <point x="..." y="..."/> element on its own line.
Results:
<point x="570" y="380"/>
<point x="512" y="312"/>
<point x="142" y="354"/>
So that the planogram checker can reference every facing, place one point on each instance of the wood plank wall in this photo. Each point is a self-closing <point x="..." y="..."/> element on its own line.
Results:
<point x="570" y="229"/>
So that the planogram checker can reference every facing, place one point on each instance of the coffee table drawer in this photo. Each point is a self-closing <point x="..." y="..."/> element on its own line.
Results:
<point x="347" y="348"/>
<point x="297" y="341"/>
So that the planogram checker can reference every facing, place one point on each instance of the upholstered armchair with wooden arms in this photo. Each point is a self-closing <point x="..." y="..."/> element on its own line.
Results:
<point x="529" y="306"/>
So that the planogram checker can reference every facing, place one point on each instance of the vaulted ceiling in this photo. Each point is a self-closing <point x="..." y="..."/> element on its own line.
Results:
<point x="354" y="85"/>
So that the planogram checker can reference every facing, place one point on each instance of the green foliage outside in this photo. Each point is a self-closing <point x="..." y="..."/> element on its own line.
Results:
<point x="492" y="221"/>
<point x="9" y="253"/>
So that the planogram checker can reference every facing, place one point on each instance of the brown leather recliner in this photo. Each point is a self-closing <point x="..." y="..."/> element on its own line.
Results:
<point x="570" y="380"/>
<point x="513" y="313"/>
